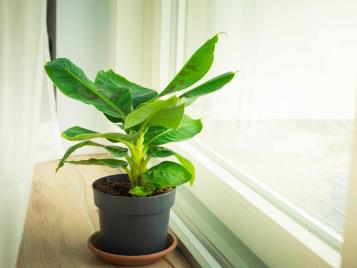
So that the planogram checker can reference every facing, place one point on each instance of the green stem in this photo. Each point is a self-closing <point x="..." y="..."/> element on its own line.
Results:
<point x="137" y="160"/>
<point x="145" y="162"/>
<point x="138" y="157"/>
<point x="127" y="170"/>
<point x="131" y="170"/>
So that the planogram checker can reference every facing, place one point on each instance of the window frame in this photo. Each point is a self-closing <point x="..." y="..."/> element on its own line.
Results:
<point x="314" y="226"/>
<point x="310" y="242"/>
<point x="282" y="242"/>
<point x="349" y="256"/>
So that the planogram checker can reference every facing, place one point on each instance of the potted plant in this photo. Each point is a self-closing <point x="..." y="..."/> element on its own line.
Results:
<point x="134" y="207"/>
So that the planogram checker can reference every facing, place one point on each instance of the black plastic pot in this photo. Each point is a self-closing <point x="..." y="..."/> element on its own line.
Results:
<point x="133" y="225"/>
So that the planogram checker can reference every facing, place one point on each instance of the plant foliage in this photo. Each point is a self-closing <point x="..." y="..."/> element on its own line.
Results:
<point x="146" y="119"/>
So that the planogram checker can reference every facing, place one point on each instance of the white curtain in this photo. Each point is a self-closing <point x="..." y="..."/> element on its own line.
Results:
<point x="23" y="88"/>
<point x="286" y="119"/>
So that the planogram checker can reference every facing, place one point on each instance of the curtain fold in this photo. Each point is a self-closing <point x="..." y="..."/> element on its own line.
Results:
<point x="23" y="50"/>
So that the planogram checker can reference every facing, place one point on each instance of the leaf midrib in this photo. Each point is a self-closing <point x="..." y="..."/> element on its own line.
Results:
<point x="105" y="98"/>
<point x="142" y="94"/>
<point x="157" y="136"/>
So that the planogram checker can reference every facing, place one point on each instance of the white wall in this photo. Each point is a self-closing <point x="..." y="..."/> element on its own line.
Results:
<point x="83" y="35"/>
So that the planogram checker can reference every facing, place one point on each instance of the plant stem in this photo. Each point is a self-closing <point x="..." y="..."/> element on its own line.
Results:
<point x="138" y="157"/>
<point x="130" y="171"/>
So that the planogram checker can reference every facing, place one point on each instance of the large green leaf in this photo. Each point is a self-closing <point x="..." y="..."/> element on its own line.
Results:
<point x="120" y="96"/>
<point x="147" y="110"/>
<point x="170" y="117"/>
<point x="194" y="69"/>
<point x="113" y="119"/>
<point x="166" y="174"/>
<point x="159" y="151"/>
<point x="209" y="86"/>
<point x="114" y="150"/>
<point x="72" y="81"/>
<point x="188" y="166"/>
<point x="113" y="163"/>
<point x="80" y="134"/>
<point x="160" y="135"/>
<point x="138" y="93"/>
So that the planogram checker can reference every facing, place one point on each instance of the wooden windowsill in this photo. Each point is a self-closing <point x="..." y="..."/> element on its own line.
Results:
<point x="62" y="215"/>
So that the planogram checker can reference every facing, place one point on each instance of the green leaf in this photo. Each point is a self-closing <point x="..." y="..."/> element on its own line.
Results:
<point x="161" y="152"/>
<point x="209" y="86"/>
<point x="194" y="69"/>
<point x="79" y="134"/>
<point x="169" y="117"/>
<point x="165" y="174"/>
<point x="113" y="119"/>
<point x="188" y="166"/>
<point x="142" y="191"/>
<point x="138" y="93"/>
<point x="72" y="81"/>
<point x="114" y="150"/>
<point x="158" y="151"/>
<point x="120" y="96"/>
<point x="112" y="163"/>
<point x="73" y="132"/>
<point x="147" y="110"/>
<point x="160" y="135"/>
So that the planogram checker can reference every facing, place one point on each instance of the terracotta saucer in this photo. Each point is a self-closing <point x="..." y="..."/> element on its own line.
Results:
<point x="130" y="260"/>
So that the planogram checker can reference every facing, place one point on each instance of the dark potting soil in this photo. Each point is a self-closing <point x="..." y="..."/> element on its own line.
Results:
<point x="121" y="188"/>
<point x="113" y="187"/>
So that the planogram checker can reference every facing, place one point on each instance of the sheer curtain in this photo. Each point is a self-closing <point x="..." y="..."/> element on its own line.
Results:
<point x="286" y="119"/>
<point x="23" y="87"/>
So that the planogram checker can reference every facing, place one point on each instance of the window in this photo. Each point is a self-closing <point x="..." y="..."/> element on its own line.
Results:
<point x="287" y="118"/>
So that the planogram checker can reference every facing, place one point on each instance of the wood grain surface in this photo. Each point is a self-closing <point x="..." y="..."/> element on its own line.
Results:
<point x="62" y="215"/>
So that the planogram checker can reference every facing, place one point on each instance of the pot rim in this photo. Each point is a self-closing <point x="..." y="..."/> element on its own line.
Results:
<point x="130" y="197"/>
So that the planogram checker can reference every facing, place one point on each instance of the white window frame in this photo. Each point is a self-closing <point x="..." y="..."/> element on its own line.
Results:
<point x="349" y="256"/>
<point x="278" y="239"/>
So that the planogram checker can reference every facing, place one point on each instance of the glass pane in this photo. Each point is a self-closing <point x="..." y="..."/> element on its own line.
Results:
<point x="287" y="117"/>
